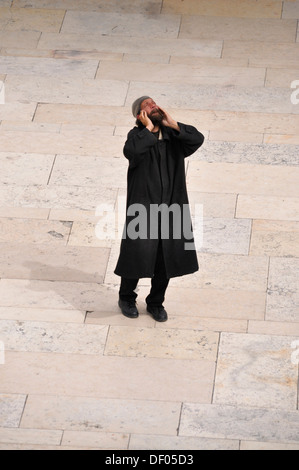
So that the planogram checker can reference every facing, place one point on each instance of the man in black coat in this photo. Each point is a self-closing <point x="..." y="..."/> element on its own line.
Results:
<point x="158" y="240"/>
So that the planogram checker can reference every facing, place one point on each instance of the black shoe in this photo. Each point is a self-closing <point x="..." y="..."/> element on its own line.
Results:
<point x="159" y="313"/>
<point x="128" y="308"/>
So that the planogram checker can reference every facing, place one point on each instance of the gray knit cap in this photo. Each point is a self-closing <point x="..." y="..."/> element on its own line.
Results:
<point x="136" y="105"/>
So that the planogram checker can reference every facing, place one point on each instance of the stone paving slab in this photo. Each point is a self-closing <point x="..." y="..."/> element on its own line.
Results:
<point x="128" y="341"/>
<point x="245" y="423"/>
<point x="256" y="371"/>
<point x="42" y="370"/>
<point x="222" y="373"/>
<point x="18" y="169"/>
<point x="282" y="299"/>
<point x="16" y="19"/>
<point x="233" y="98"/>
<point x="28" y="436"/>
<point x="34" y="261"/>
<point x="41" y="89"/>
<point x="30" y="199"/>
<point x="159" y="442"/>
<point x="127" y="45"/>
<point x="48" y="67"/>
<point x="260" y="54"/>
<point x="239" y="29"/>
<point x="91" y="414"/>
<point x="201" y="75"/>
<point x="279" y="238"/>
<point x="126" y="6"/>
<point x="52" y="337"/>
<point x="234" y="178"/>
<point x="231" y="8"/>
<point x="116" y="24"/>
<point x="34" y="231"/>
<point x="57" y="295"/>
<point x="264" y="207"/>
<point x="238" y="152"/>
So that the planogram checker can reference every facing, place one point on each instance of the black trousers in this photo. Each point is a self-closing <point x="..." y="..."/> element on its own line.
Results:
<point x="159" y="284"/>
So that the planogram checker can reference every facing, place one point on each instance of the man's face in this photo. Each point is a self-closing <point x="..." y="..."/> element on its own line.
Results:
<point x="152" y="110"/>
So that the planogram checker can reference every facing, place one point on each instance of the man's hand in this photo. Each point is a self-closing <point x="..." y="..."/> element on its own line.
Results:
<point x="168" y="121"/>
<point x="143" y="117"/>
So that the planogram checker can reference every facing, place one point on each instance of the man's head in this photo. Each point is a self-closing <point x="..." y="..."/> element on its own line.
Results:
<point x="147" y="104"/>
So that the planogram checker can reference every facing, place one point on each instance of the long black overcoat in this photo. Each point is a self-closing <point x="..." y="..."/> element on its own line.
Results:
<point x="155" y="181"/>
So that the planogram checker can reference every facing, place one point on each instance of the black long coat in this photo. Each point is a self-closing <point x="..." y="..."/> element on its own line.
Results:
<point x="156" y="176"/>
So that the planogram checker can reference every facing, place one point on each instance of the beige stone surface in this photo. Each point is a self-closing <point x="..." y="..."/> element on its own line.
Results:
<point x="34" y="231"/>
<point x="214" y="303"/>
<point x="238" y="29"/>
<point x="20" y="169"/>
<point x="89" y="114"/>
<point x="11" y="409"/>
<point x="290" y="9"/>
<point x="48" y="67"/>
<point x="234" y="178"/>
<point x="57" y="295"/>
<point x="214" y="205"/>
<point x="24" y="213"/>
<point x="267" y="207"/>
<point x="233" y="98"/>
<point x="17" y="111"/>
<point x="31" y="260"/>
<point x="24" y="19"/>
<point x="280" y="77"/>
<point x="147" y="342"/>
<point x="273" y="328"/>
<point x="41" y="89"/>
<point x="282" y="299"/>
<point x="75" y="373"/>
<point x="117" y="378"/>
<point x="250" y="445"/>
<point x="95" y="171"/>
<point x="256" y="370"/>
<point x="222" y="271"/>
<point x="126" y="44"/>
<point x="158" y="442"/>
<point x="279" y="238"/>
<point x="276" y="54"/>
<point x="53" y="337"/>
<point x="76" y="199"/>
<point x="96" y="440"/>
<point x="101" y="414"/>
<point x="230" y="8"/>
<point x="28" y="436"/>
<point x="282" y="139"/>
<point x="202" y="75"/>
<point x="248" y="423"/>
<point x="117" y="24"/>
<point x="126" y="6"/>
<point x="41" y="314"/>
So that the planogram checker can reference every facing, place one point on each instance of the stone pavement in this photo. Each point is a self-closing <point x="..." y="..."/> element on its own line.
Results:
<point x="222" y="373"/>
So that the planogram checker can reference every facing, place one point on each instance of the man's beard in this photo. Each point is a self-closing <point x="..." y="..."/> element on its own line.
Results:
<point x="156" y="117"/>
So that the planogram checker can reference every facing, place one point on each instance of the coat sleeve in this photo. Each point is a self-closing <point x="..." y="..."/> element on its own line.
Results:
<point x="190" y="139"/>
<point x="137" y="145"/>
